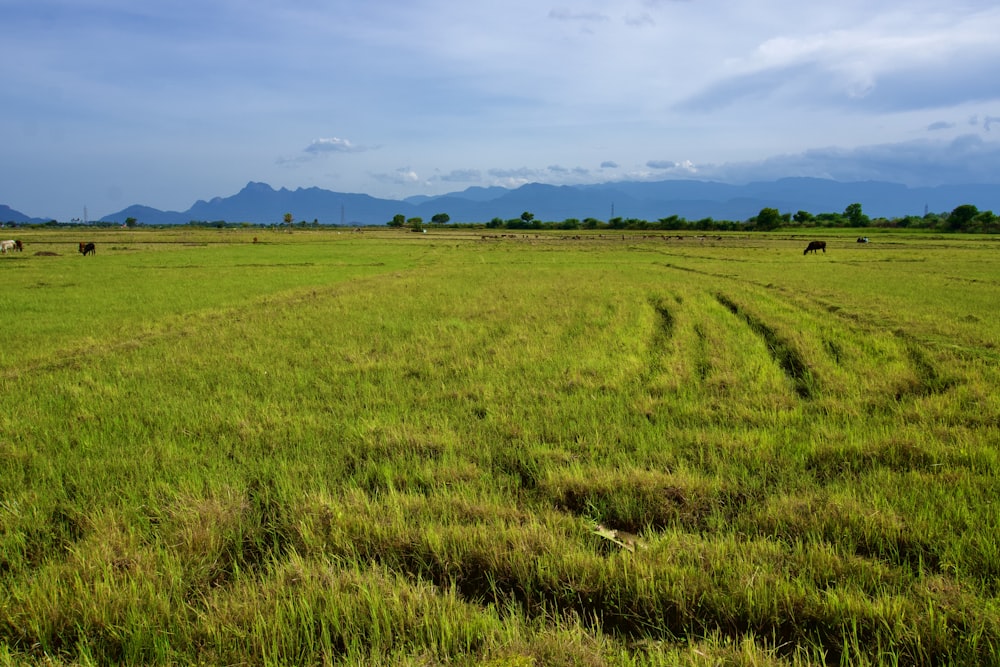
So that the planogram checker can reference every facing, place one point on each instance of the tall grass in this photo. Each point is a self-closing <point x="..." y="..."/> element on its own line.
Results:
<point x="425" y="449"/>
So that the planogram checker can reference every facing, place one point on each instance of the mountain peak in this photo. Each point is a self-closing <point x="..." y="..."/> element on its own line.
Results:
<point x="254" y="186"/>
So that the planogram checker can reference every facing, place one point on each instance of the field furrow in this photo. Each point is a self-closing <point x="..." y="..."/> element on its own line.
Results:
<point x="782" y="351"/>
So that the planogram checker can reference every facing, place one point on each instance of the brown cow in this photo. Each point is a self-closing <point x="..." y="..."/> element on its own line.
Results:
<point x="814" y="246"/>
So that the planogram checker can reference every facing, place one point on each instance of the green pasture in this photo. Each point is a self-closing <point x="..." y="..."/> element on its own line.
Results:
<point x="472" y="448"/>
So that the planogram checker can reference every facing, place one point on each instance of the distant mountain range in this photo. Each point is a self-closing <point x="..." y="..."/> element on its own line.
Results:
<point x="7" y="214"/>
<point x="259" y="203"/>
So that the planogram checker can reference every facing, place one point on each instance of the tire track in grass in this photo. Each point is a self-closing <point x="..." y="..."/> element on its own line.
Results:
<point x="782" y="351"/>
<point x="834" y="350"/>
<point x="917" y="352"/>
<point x="702" y="365"/>
<point x="672" y="334"/>
<point x="929" y="380"/>
<point x="663" y="331"/>
<point x="666" y="318"/>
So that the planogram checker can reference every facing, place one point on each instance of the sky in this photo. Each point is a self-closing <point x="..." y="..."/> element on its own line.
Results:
<point x="109" y="103"/>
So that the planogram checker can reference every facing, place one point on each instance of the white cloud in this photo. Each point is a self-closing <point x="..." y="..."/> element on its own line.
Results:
<point x="521" y="173"/>
<point x="334" y="145"/>
<point x="892" y="62"/>
<point x="514" y="178"/>
<point x="401" y="176"/>
<point x="461" y="176"/>
<point x="672" y="169"/>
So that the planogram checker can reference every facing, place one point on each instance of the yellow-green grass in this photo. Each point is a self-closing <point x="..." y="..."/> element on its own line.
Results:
<point x="419" y="449"/>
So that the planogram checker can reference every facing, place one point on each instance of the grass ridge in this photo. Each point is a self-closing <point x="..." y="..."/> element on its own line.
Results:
<point x="783" y="352"/>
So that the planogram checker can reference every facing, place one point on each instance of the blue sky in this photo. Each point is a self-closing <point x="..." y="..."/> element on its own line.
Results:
<point x="108" y="103"/>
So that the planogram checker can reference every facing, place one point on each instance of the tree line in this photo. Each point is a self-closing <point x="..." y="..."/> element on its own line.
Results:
<point x="964" y="218"/>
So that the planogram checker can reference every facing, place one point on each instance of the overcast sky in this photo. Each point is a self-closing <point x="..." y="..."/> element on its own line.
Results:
<point x="108" y="103"/>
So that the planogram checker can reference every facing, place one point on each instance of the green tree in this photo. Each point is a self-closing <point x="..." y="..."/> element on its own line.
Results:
<point x="855" y="217"/>
<point x="130" y="222"/>
<point x="961" y="218"/>
<point x="671" y="222"/>
<point x="987" y="221"/>
<point x="440" y="218"/>
<point x="398" y="220"/>
<point x="829" y="219"/>
<point x="767" y="219"/>
<point x="416" y="224"/>
<point x="289" y="219"/>
<point x="803" y="217"/>
<point x="527" y="217"/>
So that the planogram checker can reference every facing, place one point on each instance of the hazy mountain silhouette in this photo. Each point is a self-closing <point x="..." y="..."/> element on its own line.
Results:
<point x="259" y="203"/>
<point x="7" y="214"/>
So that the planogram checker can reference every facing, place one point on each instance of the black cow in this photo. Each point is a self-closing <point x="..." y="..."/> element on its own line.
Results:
<point x="814" y="246"/>
<point x="88" y="249"/>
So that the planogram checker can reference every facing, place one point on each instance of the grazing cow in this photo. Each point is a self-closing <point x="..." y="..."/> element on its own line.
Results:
<point x="862" y="239"/>
<point x="88" y="249"/>
<point x="814" y="246"/>
<point x="18" y="246"/>
<point x="7" y="245"/>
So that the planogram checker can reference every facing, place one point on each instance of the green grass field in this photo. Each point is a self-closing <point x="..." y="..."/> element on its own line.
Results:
<point x="420" y="449"/>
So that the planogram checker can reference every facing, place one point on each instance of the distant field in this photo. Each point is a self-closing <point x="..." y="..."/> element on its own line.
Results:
<point x="504" y="449"/>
